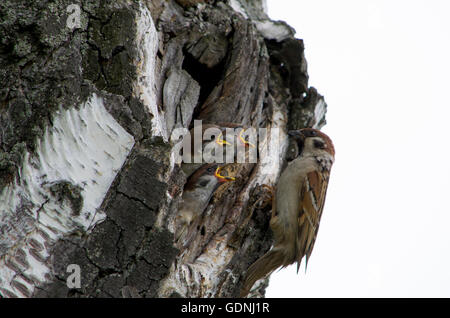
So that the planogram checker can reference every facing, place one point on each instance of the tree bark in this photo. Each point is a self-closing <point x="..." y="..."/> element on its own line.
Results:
<point x="90" y="93"/>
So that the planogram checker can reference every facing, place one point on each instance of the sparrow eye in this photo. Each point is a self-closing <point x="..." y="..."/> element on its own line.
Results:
<point x="203" y="183"/>
<point x="319" y="144"/>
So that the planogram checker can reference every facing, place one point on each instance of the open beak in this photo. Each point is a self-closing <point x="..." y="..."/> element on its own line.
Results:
<point x="245" y="142"/>
<point x="221" y="141"/>
<point x="222" y="178"/>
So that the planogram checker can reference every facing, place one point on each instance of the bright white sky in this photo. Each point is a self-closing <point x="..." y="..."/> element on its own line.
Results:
<point x="384" y="69"/>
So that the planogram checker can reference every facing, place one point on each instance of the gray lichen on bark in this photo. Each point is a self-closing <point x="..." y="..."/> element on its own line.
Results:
<point x="138" y="69"/>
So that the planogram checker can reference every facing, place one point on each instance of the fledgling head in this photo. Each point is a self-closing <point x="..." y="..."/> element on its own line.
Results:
<point x="201" y="185"/>
<point x="312" y="142"/>
<point x="211" y="137"/>
<point x="206" y="177"/>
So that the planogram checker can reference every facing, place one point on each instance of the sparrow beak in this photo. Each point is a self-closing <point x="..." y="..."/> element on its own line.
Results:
<point x="299" y="138"/>
<point x="296" y="133"/>
<point x="245" y="142"/>
<point x="222" y="178"/>
<point x="220" y="141"/>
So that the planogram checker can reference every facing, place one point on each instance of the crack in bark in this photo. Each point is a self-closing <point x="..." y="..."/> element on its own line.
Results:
<point x="134" y="199"/>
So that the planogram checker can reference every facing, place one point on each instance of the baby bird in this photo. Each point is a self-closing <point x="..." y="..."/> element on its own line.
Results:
<point x="197" y="193"/>
<point x="221" y="139"/>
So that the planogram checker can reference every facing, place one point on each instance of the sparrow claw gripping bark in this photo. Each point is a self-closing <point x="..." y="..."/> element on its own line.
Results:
<point x="266" y="197"/>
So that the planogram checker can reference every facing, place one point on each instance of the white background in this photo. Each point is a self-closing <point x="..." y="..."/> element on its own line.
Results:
<point x="384" y="69"/>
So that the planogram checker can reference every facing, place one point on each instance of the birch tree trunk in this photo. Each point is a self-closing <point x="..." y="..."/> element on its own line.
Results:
<point x="90" y="92"/>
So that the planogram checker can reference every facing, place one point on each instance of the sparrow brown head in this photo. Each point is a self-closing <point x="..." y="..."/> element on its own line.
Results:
<point x="306" y="136"/>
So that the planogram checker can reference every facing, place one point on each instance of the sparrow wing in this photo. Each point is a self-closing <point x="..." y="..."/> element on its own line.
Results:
<point x="312" y="199"/>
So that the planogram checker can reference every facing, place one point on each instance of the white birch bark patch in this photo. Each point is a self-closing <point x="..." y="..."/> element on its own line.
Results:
<point x="84" y="147"/>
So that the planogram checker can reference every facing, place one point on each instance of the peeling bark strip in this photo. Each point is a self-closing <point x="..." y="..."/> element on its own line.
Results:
<point x="90" y="93"/>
